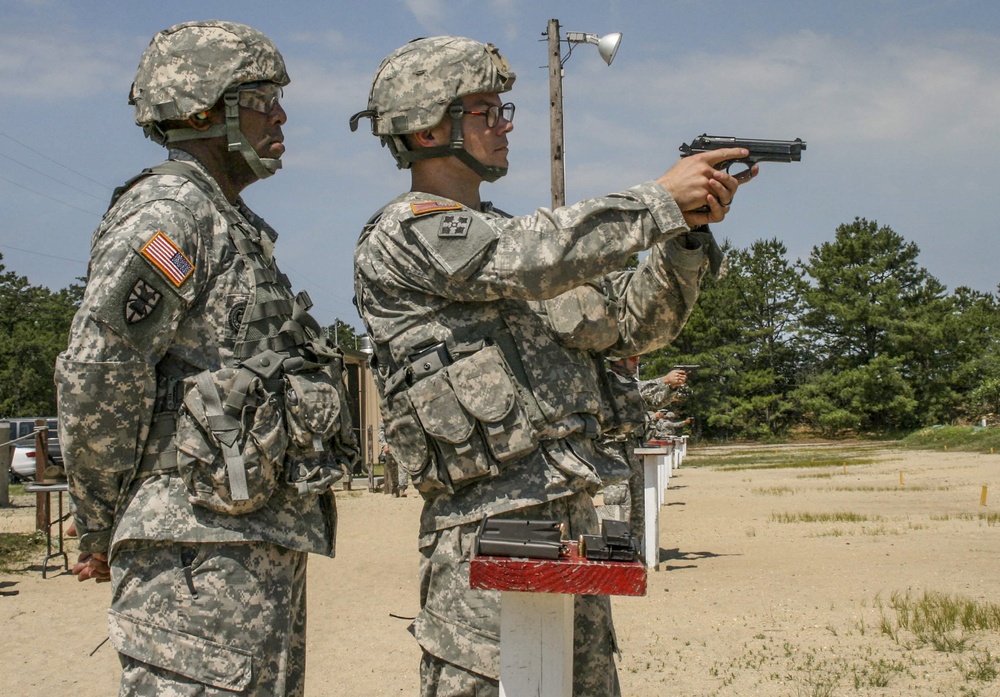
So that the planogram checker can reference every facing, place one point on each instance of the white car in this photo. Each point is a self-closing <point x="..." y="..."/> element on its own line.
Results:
<point x="23" y="465"/>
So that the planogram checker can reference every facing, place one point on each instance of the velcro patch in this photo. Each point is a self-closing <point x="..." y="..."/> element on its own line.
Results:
<point x="168" y="258"/>
<point x="455" y="225"/>
<point x="433" y="207"/>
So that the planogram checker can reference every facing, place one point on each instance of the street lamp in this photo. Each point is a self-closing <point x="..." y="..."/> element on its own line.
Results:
<point x="607" y="46"/>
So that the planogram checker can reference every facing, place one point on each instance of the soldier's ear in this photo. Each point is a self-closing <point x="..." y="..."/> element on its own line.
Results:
<point x="203" y="120"/>
<point x="424" y="139"/>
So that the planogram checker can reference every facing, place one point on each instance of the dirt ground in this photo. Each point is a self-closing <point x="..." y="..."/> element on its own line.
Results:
<point x="750" y="600"/>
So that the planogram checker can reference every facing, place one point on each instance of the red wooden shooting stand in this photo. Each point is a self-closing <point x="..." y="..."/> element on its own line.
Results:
<point x="536" y="613"/>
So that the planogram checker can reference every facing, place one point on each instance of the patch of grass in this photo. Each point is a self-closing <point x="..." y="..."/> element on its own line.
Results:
<point x="842" y="517"/>
<point x="991" y="519"/>
<point x="983" y="667"/>
<point x="942" y="621"/>
<point x="800" y="463"/>
<point x="975" y="439"/>
<point x="16" y="548"/>
<point x="773" y="490"/>
<point x="781" y="458"/>
<point x="875" y="489"/>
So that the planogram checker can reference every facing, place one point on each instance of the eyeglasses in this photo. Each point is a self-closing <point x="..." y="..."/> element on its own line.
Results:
<point x="494" y="113"/>
<point x="259" y="96"/>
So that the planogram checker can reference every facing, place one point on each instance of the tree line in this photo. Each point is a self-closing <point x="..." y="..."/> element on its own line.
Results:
<point x="857" y="339"/>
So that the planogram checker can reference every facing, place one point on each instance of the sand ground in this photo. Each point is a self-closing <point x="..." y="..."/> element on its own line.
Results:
<point x="745" y="603"/>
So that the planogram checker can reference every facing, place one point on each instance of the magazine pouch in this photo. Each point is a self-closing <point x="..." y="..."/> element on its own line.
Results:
<point x="314" y="405"/>
<point x="231" y="441"/>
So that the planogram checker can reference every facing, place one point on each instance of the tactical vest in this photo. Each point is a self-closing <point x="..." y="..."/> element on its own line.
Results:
<point x="280" y="371"/>
<point x="470" y="386"/>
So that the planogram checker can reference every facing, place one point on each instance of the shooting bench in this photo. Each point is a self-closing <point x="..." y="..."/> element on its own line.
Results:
<point x="536" y="613"/>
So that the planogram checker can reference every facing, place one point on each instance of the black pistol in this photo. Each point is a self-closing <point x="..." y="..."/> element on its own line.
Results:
<point x="760" y="151"/>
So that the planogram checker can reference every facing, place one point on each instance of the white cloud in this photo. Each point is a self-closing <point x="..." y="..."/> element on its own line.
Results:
<point x="430" y="14"/>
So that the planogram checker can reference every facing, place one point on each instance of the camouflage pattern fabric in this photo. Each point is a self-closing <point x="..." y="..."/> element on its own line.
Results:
<point x="168" y="296"/>
<point x="432" y="271"/>
<point x="164" y="619"/>
<point x="187" y="67"/>
<point x="107" y="377"/>
<point x="415" y="84"/>
<point x="459" y="628"/>
<point x="622" y="443"/>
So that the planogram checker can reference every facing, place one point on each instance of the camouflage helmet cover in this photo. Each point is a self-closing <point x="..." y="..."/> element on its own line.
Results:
<point x="187" y="68"/>
<point x="415" y="84"/>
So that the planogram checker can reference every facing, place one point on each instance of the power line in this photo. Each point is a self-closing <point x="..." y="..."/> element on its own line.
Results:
<point x="41" y="254"/>
<point x="39" y="193"/>
<point x="56" y="162"/>
<point x="49" y="176"/>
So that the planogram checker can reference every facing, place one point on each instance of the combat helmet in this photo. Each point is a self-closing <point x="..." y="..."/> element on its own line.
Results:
<point x="419" y="83"/>
<point x="187" y="68"/>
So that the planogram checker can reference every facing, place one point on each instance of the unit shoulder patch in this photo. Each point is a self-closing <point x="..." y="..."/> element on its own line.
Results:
<point x="141" y="302"/>
<point x="166" y="256"/>
<point x="426" y="207"/>
<point x="453" y="225"/>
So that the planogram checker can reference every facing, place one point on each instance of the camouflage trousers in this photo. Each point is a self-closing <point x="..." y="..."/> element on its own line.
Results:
<point x="209" y="619"/>
<point x="395" y="479"/>
<point x="459" y="628"/>
<point x="630" y="495"/>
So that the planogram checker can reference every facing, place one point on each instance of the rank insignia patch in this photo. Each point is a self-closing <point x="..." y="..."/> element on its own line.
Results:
<point x="141" y="302"/>
<point x="168" y="258"/>
<point x="455" y="226"/>
<point x="433" y="207"/>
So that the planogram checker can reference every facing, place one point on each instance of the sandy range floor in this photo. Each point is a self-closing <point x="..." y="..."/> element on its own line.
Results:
<point x="744" y="604"/>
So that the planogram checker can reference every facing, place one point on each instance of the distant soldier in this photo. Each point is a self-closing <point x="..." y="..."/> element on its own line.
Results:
<point x="394" y="478"/>
<point x="631" y="399"/>
<point x="664" y="425"/>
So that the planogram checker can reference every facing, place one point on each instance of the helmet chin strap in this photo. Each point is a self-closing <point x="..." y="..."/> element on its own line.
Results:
<point x="263" y="167"/>
<point x="455" y="148"/>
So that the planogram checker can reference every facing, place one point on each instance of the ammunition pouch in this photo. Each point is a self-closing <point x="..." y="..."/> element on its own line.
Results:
<point x="231" y="441"/>
<point x="319" y="428"/>
<point x="459" y="421"/>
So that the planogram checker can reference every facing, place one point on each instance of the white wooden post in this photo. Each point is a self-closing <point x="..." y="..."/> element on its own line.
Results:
<point x="537" y="598"/>
<point x="536" y="644"/>
<point x="655" y="468"/>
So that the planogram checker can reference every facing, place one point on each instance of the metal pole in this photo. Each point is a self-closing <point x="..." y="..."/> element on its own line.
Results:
<point x="6" y="453"/>
<point x="556" y="116"/>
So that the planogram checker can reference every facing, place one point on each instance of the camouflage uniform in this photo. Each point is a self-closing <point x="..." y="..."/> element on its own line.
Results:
<point x="183" y="284"/>
<point x="417" y="287"/>
<point x="486" y="332"/>
<point x="630" y="398"/>
<point x="663" y="427"/>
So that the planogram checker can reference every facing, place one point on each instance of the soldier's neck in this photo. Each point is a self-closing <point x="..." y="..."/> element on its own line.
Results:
<point x="444" y="181"/>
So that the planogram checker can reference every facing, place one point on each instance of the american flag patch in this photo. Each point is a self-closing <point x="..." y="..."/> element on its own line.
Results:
<point x="168" y="258"/>
<point x="433" y="207"/>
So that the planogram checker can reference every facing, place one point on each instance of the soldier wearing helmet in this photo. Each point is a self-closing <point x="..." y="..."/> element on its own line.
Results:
<point x="627" y="430"/>
<point x="198" y="406"/>
<point x="488" y="334"/>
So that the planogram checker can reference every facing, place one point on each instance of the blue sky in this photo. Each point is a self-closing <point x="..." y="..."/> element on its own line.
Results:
<point x="899" y="101"/>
